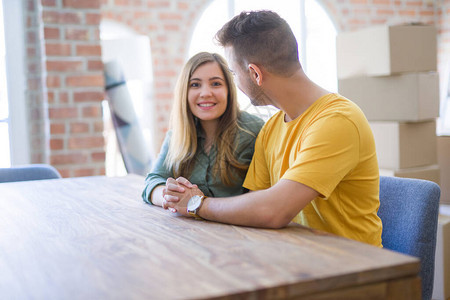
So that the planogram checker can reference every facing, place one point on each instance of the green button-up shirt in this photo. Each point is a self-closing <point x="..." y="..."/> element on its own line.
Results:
<point x="202" y="172"/>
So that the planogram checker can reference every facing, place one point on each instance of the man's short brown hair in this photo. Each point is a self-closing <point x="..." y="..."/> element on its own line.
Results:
<point x="263" y="38"/>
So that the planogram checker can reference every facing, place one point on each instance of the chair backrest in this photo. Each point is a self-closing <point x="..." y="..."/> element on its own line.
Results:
<point x="135" y="153"/>
<point x="28" y="172"/>
<point x="409" y="211"/>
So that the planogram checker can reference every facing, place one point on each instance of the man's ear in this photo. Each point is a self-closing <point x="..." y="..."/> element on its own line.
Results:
<point x="255" y="74"/>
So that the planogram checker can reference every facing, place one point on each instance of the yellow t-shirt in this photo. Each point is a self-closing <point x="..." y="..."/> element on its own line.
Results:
<point x="330" y="148"/>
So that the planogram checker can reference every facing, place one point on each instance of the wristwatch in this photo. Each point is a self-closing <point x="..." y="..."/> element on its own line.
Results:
<point x="194" y="204"/>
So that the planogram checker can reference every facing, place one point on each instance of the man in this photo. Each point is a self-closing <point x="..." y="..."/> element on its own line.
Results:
<point x="314" y="162"/>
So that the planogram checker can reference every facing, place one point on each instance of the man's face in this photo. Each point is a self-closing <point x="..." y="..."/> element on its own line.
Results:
<point x="244" y="82"/>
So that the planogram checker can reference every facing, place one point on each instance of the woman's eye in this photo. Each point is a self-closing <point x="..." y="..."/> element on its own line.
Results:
<point x="217" y="83"/>
<point x="194" y="84"/>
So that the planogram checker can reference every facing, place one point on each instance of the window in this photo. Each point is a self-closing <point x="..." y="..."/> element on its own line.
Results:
<point x="14" y="137"/>
<point x="5" y="159"/>
<point x="311" y="25"/>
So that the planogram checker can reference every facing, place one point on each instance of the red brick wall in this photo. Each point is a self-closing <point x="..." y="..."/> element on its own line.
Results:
<point x="354" y="14"/>
<point x="67" y="88"/>
<point x="65" y="83"/>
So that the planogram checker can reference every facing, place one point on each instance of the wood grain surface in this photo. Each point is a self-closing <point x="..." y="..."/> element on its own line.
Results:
<point x="94" y="238"/>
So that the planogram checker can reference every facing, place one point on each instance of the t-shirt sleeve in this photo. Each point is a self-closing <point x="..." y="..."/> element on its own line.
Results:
<point x="328" y="151"/>
<point x="258" y="176"/>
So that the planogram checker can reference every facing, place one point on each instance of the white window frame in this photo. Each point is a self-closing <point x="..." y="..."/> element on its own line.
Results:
<point x="13" y="16"/>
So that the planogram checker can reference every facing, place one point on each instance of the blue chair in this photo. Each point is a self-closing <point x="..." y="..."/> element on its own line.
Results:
<point x="409" y="211"/>
<point x="28" y="172"/>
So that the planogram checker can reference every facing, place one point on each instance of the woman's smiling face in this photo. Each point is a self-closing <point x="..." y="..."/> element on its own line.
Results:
<point x="208" y="92"/>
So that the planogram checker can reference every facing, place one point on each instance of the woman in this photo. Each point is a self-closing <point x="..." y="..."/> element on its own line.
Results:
<point x="210" y="142"/>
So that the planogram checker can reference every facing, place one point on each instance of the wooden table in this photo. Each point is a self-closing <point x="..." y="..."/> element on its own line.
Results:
<point x="94" y="238"/>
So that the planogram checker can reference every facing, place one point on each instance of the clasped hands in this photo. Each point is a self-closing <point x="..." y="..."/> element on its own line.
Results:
<point x="177" y="193"/>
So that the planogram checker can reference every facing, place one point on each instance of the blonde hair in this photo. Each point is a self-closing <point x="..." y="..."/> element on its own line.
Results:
<point x="183" y="143"/>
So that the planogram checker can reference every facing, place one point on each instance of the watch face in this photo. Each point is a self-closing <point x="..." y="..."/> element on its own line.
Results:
<point x="194" y="202"/>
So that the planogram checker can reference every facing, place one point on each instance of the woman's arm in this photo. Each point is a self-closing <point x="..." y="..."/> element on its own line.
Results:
<point x="156" y="195"/>
<point x="156" y="179"/>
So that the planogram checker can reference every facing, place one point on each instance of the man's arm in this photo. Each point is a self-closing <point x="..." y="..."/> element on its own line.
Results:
<point x="274" y="207"/>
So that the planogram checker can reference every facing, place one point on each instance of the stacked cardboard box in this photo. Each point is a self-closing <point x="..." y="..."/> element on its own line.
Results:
<point x="444" y="164"/>
<point x="390" y="72"/>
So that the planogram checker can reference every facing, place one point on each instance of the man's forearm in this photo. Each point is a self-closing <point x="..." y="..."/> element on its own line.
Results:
<point x="271" y="208"/>
<point x="238" y="210"/>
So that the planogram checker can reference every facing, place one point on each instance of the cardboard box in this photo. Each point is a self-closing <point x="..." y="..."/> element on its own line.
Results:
<point x="406" y="97"/>
<point x="441" y="287"/>
<point x="385" y="50"/>
<point x="443" y="150"/>
<point x="405" y="145"/>
<point x="431" y="173"/>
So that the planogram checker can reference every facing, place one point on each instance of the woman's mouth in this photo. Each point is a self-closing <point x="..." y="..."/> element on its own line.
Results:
<point x="206" y="104"/>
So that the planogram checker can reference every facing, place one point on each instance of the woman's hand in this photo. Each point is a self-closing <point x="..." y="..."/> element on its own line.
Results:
<point x="183" y="181"/>
<point x="177" y="193"/>
<point x="171" y="187"/>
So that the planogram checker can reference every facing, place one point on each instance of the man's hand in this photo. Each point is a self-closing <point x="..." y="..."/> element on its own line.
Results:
<point x="177" y="194"/>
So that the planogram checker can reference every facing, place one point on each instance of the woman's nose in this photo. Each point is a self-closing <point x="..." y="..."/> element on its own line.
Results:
<point x="205" y="91"/>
